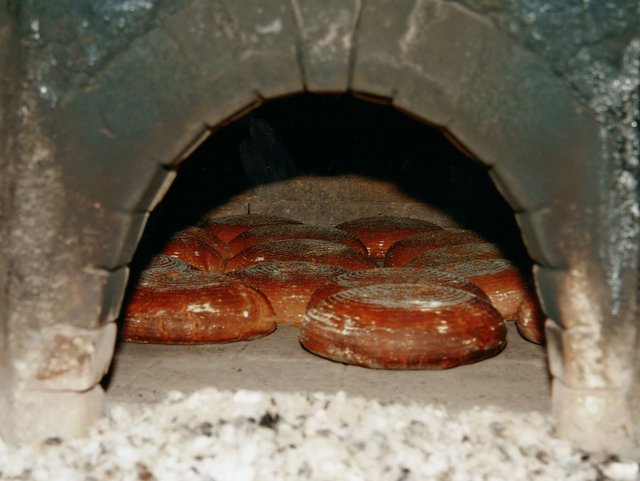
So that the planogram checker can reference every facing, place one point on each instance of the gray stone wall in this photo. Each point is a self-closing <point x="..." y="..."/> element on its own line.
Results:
<point x="108" y="97"/>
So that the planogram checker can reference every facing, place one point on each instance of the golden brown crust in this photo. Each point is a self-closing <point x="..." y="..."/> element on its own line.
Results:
<point x="498" y="278"/>
<point x="456" y="254"/>
<point x="397" y="275"/>
<point x="530" y="319"/>
<point x="198" y="248"/>
<point x="190" y="307"/>
<point x="379" y="233"/>
<point x="311" y="250"/>
<point x="288" y="284"/>
<point x="228" y="227"/>
<point x="404" y="250"/>
<point x="403" y="326"/>
<point x="161" y="262"/>
<point x="261" y="234"/>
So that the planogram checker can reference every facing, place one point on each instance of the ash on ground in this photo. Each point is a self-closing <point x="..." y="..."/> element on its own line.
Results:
<point x="246" y="435"/>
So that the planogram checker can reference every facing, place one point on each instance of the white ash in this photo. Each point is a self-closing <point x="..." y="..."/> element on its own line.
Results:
<point x="247" y="435"/>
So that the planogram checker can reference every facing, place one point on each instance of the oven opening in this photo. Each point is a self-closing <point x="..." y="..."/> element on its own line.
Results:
<point x="325" y="160"/>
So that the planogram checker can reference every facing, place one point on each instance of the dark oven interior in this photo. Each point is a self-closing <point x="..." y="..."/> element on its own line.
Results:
<point x="336" y="158"/>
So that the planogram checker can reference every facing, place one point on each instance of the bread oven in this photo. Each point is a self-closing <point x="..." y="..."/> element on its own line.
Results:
<point x="101" y="103"/>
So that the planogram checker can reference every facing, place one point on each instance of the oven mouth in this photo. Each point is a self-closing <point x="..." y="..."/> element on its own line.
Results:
<point x="353" y="157"/>
<point x="321" y="152"/>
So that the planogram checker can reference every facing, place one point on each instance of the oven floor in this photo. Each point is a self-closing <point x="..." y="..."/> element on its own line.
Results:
<point x="516" y="379"/>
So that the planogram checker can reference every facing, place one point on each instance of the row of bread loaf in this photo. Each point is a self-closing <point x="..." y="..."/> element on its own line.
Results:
<point x="444" y="301"/>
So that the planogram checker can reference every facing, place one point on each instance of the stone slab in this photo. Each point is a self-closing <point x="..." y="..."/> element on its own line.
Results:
<point x="515" y="379"/>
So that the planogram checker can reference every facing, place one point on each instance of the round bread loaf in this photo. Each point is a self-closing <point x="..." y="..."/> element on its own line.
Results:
<point x="403" y="326"/>
<point x="162" y="262"/>
<point x="456" y="254"/>
<point x="196" y="247"/>
<point x="258" y="235"/>
<point x="228" y="227"/>
<point x="188" y="306"/>
<point x="498" y="278"/>
<point x="288" y="285"/>
<point x="530" y="319"/>
<point x="312" y="250"/>
<point x="379" y="233"/>
<point x="406" y="249"/>
<point x="394" y="275"/>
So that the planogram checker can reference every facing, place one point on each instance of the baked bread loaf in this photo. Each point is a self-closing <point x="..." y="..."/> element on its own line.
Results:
<point x="228" y="227"/>
<point x="312" y="250"/>
<point x="167" y="263"/>
<point x="394" y="275"/>
<point x="288" y="284"/>
<point x="258" y="235"/>
<point x="498" y="278"/>
<point x="403" y="326"/>
<point x="379" y="233"/>
<point x="196" y="247"/>
<point x="456" y="254"/>
<point x="406" y="249"/>
<point x="187" y="306"/>
<point x="530" y="319"/>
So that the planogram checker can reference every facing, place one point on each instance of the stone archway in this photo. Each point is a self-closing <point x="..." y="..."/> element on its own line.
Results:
<point x="94" y="138"/>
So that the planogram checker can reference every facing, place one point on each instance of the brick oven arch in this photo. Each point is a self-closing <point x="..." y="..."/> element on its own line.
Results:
<point x="114" y="138"/>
